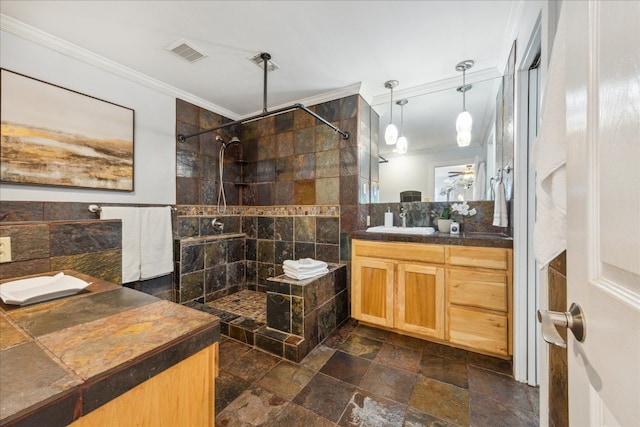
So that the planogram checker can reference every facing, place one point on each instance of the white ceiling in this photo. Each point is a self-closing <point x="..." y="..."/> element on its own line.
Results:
<point x="320" y="46"/>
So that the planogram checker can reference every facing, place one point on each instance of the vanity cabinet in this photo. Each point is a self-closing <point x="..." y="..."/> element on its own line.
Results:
<point x="458" y="295"/>
<point x="478" y="298"/>
<point x="399" y="286"/>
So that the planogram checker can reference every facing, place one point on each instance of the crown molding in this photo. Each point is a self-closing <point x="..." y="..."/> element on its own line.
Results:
<point x="471" y="78"/>
<point x="27" y="32"/>
<point x="331" y="95"/>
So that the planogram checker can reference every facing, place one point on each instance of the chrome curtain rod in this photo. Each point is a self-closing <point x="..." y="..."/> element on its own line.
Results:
<point x="266" y="113"/>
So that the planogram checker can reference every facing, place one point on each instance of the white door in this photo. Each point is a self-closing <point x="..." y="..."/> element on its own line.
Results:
<point x="603" y="209"/>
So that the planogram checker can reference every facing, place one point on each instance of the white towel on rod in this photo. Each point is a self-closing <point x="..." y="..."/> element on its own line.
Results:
<point x="130" y="218"/>
<point x="156" y="242"/>
<point x="549" y="157"/>
<point x="500" y="214"/>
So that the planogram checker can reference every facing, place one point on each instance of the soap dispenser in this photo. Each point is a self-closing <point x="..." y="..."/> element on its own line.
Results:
<point x="388" y="218"/>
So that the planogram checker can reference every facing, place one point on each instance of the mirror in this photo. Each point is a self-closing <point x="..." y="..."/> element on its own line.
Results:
<point x="429" y="126"/>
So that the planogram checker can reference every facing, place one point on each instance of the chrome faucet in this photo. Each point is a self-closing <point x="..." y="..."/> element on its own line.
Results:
<point x="403" y="215"/>
<point x="217" y="225"/>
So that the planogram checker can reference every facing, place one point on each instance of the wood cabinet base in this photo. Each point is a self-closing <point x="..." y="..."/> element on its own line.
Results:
<point x="183" y="395"/>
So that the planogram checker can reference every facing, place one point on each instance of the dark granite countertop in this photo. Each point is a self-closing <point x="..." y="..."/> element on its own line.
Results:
<point x="63" y="358"/>
<point x="491" y="240"/>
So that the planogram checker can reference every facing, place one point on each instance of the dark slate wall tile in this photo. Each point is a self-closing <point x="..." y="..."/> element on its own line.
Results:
<point x="305" y="250"/>
<point x="284" y="144"/>
<point x="215" y="279"/>
<point x="187" y="164"/>
<point x="284" y="193"/>
<point x="24" y="268"/>
<point x="57" y="211"/>
<point x="305" y="229"/>
<point x="266" y="251"/>
<point x="329" y="110"/>
<point x="279" y="312"/>
<point x="284" y="122"/>
<point x="266" y="171"/>
<point x="187" y="191"/>
<point x="103" y="265"/>
<point x="326" y="320"/>
<point x="327" y="164"/>
<point x="215" y="253"/>
<point x="251" y="249"/>
<point x="235" y="250"/>
<point x="264" y="194"/>
<point x="266" y="227"/>
<point x="81" y="237"/>
<point x="328" y="253"/>
<point x="328" y="230"/>
<point x="250" y="226"/>
<point x="192" y="286"/>
<point x="192" y="258"/>
<point x="348" y="107"/>
<point x="284" y="169"/>
<point x="283" y="251"/>
<point x="235" y="274"/>
<point x="27" y="241"/>
<point x="342" y="307"/>
<point x="304" y="166"/>
<point x="284" y="228"/>
<point x="326" y="139"/>
<point x="297" y="316"/>
<point x="21" y="211"/>
<point x="188" y="227"/>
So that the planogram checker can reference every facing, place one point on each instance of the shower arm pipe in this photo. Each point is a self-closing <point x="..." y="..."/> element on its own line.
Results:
<point x="345" y="135"/>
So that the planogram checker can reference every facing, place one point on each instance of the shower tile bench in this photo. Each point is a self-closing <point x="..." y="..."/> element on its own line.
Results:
<point x="301" y="313"/>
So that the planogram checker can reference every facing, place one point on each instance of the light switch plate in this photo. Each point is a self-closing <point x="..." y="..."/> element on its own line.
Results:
<point x="5" y="249"/>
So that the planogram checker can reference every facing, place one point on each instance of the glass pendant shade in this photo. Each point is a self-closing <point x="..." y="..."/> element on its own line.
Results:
<point x="391" y="134"/>
<point x="464" y="138"/>
<point x="402" y="145"/>
<point x="464" y="122"/>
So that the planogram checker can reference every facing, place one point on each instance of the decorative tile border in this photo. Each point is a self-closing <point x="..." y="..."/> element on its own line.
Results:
<point x="290" y="210"/>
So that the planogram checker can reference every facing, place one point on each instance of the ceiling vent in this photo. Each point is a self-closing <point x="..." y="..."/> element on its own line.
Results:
<point x="185" y="50"/>
<point x="257" y="59"/>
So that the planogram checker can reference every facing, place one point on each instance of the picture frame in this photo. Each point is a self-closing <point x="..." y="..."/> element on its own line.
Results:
<point x="54" y="136"/>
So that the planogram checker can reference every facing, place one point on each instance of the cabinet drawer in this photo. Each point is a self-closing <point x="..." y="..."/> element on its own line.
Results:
<point x="398" y="251"/>
<point x="495" y="258"/>
<point x="478" y="289"/>
<point x="477" y="329"/>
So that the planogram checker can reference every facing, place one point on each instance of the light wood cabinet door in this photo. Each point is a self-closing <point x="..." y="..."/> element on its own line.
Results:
<point x="482" y="330"/>
<point x="372" y="291"/>
<point x="420" y="300"/>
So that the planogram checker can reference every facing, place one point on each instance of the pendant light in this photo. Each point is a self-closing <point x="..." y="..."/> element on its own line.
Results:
<point x="402" y="144"/>
<point x="391" y="132"/>
<point x="464" y="122"/>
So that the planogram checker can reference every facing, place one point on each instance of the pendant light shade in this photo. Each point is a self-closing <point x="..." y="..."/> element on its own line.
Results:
<point x="464" y="139"/>
<point x="391" y="132"/>
<point x="464" y="122"/>
<point x="402" y="145"/>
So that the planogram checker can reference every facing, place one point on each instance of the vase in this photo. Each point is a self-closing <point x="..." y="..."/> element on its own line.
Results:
<point x="444" y="225"/>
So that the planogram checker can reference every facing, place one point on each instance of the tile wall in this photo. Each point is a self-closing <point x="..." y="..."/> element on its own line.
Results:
<point x="49" y="236"/>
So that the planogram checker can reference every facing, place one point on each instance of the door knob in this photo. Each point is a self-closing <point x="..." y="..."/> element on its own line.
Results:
<point x="572" y="319"/>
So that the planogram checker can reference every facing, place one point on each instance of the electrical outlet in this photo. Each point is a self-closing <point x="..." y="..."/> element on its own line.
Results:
<point x="5" y="249"/>
<point x="368" y="220"/>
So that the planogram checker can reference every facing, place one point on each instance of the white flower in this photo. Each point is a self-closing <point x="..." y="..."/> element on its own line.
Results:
<point x="463" y="209"/>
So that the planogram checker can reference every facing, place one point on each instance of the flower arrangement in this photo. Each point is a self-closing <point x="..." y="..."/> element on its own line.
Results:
<point x="463" y="182"/>
<point x="463" y="209"/>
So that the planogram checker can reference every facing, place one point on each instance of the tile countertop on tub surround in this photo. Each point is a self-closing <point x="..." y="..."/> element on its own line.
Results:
<point x="491" y="240"/>
<point x="63" y="358"/>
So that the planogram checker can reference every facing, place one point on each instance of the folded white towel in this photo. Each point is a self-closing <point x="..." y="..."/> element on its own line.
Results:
<point x="500" y="217"/>
<point x="549" y="156"/>
<point x="156" y="242"/>
<point x="298" y="275"/>
<point x="130" y="218"/>
<point x="304" y="264"/>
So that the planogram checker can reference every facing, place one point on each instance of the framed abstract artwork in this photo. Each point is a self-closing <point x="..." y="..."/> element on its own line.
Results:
<point x="58" y="137"/>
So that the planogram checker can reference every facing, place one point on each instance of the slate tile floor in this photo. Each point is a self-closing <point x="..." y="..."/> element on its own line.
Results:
<point x="362" y="376"/>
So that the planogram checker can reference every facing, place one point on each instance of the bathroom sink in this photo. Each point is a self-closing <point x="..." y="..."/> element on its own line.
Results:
<point x="425" y="231"/>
